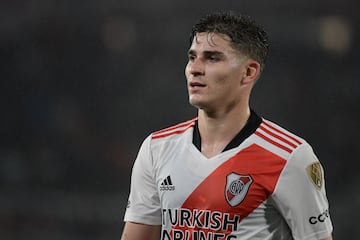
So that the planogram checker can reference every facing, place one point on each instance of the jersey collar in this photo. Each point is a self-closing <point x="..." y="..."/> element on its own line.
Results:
<point x="252" y="124"/>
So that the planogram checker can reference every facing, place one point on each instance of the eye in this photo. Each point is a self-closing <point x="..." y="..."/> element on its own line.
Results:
<point x="191" y="57"/>
<point x="213" y="58"/>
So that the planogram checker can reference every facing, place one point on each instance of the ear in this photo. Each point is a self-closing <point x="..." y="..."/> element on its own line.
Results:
<point x="251" y="71"/>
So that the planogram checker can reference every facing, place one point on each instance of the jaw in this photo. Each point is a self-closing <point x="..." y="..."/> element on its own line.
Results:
<point x="203" y="103"/>
<point x="218" y="105"/>
<point x="195" y="100"/>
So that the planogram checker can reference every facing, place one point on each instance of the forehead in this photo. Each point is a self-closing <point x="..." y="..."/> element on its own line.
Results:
<point x="212" y="41"/>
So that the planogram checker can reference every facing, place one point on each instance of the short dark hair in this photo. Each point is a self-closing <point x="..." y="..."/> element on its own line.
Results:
<point x="246" y="35"/>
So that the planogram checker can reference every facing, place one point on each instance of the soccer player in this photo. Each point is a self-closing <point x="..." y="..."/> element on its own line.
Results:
<point x="228" y="173"/>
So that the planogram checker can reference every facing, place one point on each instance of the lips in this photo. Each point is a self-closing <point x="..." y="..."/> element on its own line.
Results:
<point x="196" y="84"/>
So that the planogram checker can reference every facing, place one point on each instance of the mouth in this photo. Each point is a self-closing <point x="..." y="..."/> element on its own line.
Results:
<point x="194" y="84"/>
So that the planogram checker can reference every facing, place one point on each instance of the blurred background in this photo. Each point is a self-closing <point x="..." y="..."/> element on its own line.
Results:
<point x="84" y="82"/>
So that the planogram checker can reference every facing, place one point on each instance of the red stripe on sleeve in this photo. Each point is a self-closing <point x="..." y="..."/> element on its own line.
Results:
<point x="168" y="133"/>
<point x="282" y="132"/>
<point x="278" y="137"/>
<point x="273" y="142"/>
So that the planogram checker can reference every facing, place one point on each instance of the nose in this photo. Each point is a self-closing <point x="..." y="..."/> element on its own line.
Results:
<point x="196" y="67"/>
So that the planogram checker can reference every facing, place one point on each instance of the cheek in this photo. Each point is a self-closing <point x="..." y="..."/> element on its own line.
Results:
<point x="226" y="85"/>
<point x="222" y="80"/>
<point x="228" y="77"/>
<point x="186" y="70"/>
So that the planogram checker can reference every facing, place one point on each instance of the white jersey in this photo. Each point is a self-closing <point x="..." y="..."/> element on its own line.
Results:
<point x="270" y="186"/>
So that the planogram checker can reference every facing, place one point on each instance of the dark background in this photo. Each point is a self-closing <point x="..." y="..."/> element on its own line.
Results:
<point x="84" y="82"/>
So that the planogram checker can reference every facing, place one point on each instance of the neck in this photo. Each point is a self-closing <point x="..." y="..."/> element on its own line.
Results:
<point x="218" y="129"/>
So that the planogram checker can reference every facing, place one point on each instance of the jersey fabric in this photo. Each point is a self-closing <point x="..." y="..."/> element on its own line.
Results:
<point x="266" y="184"/>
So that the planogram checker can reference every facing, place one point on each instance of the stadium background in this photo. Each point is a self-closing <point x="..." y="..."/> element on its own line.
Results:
<point x="84" y="82"/>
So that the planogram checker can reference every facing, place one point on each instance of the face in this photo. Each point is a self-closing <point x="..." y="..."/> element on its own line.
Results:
<point x="214" y="72"/>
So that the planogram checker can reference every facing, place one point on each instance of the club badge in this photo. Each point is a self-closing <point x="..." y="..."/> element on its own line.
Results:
<point x="237" y="186"/>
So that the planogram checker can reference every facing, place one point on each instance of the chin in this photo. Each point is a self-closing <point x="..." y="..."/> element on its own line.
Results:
<point x="196" y="104"/>
<point x="199" y="101"/>
<point x="193" y="101"/>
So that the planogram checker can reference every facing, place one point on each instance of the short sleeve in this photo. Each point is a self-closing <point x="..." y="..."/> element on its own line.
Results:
<point x="300" y="196"/>
<point x="143" y="202"/>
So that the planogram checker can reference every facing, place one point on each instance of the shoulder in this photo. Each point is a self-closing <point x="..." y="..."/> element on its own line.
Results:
<point x="295" y="148"/>
<point x="278" y="137"/>
<point x="174" y="131"/>
<point x="154" y="142"/>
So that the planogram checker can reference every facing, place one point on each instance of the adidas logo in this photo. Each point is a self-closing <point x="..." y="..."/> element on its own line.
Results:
<point x="167" y="185"/>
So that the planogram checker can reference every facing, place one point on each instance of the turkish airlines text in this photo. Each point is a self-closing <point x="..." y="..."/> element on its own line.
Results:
<point x="195" y="224"/>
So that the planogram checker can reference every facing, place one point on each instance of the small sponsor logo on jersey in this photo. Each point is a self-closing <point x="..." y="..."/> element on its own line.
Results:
<point x="167" y="184"/>
<point x="319" y="218"/>
<point x="237" y="187"/>
<point x="315" y="173"/>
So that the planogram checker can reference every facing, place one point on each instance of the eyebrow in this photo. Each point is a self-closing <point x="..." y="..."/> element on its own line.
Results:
<point x="207" y="53"/>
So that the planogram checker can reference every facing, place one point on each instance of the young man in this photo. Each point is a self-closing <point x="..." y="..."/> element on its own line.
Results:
<point x="228" y="173"/>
